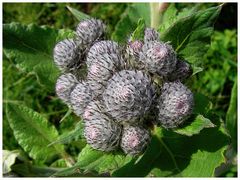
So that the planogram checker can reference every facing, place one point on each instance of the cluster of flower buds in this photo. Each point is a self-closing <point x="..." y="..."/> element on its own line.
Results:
<point x="115" y="98"/>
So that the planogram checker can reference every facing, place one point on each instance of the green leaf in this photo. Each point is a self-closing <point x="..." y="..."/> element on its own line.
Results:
<point x="33" y="132"/>
<point x="231" y="116"/>
<point x="172" y="154"/>
<point x="29" y="170"/>
<point x="168" y="18"/>
<point x="196" y="70"/>
<point x="128" y="22"/>
<point x="196" y="126"/>
<point x="171" y="15"/>
<point x="101" y="162"/>
<point x="201" y="104"/>
<point x="138" y="33"/>
<point x="31" y="48"/>
<point x="95" y="163"/>
<point x="79" y="15"/>
<point x="190" y="36"/>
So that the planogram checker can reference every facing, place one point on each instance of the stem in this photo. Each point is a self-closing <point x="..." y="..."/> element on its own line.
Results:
<point x="156" y="10"/>
<point x="12" y="101"/>
<point x="170" y="153"/>
<point x="168" y="150"/>
<point x="66" y="115"/>
<point x="19" y="81"/>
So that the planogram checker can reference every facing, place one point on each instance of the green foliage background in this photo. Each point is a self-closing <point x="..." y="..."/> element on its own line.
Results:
<point x="25" y="87"/>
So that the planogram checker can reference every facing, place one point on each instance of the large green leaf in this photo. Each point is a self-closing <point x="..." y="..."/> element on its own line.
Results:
<point x="231" y="117"/>
<point x="31" y="48"/>
<point x="171" y="154"/>
<point x="129" y="20"/>
<point x="33" y="132"/>
<point x="190" y="36"/>
<point x="102" y="162"/>
<point x="94" y="161"/>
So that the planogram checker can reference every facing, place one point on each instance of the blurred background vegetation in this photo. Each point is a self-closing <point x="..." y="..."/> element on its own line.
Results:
<point x="215" y="82"/>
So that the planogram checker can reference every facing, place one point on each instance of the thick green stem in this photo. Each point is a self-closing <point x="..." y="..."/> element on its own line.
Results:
<point x="156" y="13"/>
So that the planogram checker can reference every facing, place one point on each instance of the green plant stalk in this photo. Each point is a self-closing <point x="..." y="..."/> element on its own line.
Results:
<point x="66" y="115"/>
<point x="156" y="10"/>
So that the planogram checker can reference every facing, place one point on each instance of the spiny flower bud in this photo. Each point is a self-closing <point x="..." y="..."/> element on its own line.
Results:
<point x="103" y="60"/>
<point x="67" y="55"/>
<point x="134" y="48"/>
<point x="175" y="104"/>
<point x="103" y="47"/>
<point x="89" y="31"/>
<point x="100" y="132"/>
<point x="128" y="96"/>
<point x="150" y="34"/>
<point x="183" y="71"/>
<point x="64" y="86"/>
<point x="158" y="57"/>
<point x="80" y="97"/>
<point x="134" y="139"/>
<point x="93" y="109"/>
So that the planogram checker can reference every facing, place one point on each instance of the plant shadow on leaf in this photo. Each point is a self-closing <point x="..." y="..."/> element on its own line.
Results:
<point x="202" y="103"/>
<point x="171" y="154"/>
<point x="209" y="141"/>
